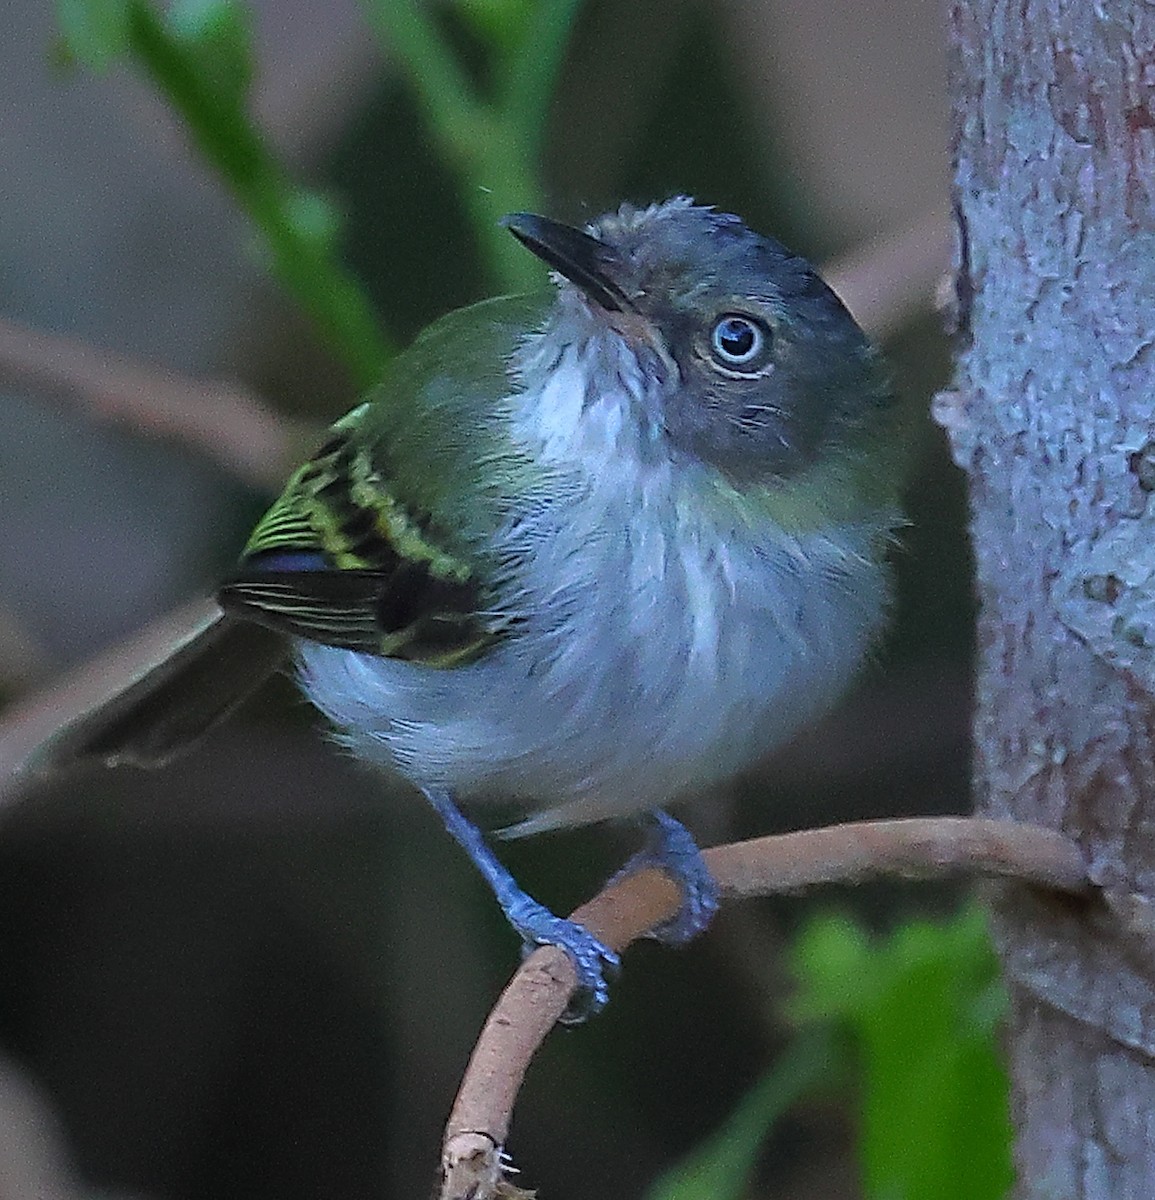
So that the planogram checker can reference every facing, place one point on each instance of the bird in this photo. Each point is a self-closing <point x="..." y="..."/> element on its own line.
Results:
<point x="588" y="552"/>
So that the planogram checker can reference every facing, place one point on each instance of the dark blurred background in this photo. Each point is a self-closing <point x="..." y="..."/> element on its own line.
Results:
<point x="259" y="972"/>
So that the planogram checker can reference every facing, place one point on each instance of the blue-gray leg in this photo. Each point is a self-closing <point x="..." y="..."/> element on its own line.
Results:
<point x="671" y="847"/>
<point x="534" y="923"/>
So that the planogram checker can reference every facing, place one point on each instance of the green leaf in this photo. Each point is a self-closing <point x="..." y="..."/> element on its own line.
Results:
<point x="217" y="35"/>
<point x="720" y="1168"/>
<point x="197" y="62"/>
<point x="315" y="218"/>
<point x="501" y="23"/>
<point x="834" y="964"/>
<point x="93" y="32"/>
<point x="922" y="1007"/>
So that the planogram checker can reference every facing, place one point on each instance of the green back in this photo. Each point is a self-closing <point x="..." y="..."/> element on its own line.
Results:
<point x="437" y="429"/>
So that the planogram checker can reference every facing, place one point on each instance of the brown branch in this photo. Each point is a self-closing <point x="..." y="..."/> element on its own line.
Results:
<point x="919" y="848"/>
<point x="222" y="420"/>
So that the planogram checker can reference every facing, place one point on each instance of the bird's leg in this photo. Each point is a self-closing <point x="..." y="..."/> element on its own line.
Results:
<point x="535" y="924"/>
<point x="671" y="848"/>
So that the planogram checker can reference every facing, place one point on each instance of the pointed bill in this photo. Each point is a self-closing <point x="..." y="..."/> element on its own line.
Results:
<point x="584" y="260"/>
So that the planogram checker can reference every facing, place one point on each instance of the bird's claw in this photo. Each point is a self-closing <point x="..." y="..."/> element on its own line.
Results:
<point x="592" y="959"/>
<point x="699" y="904"/>
<point x="671" y="849"/>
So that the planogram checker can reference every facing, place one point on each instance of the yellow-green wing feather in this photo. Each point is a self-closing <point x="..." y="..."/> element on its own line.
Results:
<point x="381" y="541"/>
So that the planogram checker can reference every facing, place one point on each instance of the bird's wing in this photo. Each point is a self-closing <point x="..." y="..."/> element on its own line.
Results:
<point x="382" y="541"/>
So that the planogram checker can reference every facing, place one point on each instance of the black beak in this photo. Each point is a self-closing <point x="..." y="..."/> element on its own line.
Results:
<point x="582" y="259"/>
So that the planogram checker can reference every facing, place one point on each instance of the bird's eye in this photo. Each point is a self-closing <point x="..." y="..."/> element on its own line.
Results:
<point x="739" y="342"/>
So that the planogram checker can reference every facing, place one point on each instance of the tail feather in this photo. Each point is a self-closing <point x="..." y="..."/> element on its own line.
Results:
<point x="171" y="700"/>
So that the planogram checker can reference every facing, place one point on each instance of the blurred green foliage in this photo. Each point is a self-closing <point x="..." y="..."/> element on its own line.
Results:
<point x="922" y="1008"/>
<point x="490" y="137"/>
<point x="93" y="32"/>
<point x="199" y="54"/>
<point x="912" y="1019"/>
<point x="722" y="1166"/>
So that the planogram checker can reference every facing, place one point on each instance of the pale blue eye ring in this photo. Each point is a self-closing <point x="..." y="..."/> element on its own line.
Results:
<point x="738" y="341"/>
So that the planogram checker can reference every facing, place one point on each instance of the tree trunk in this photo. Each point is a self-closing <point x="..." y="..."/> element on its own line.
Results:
<point x="1052" y="418"/>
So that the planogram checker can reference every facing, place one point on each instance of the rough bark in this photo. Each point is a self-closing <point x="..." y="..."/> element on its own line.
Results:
<point x="1051" y="416"/>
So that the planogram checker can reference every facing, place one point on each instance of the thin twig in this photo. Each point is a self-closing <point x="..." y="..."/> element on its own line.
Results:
<point x="223" y="420"/>
<point x="919" y="848"/>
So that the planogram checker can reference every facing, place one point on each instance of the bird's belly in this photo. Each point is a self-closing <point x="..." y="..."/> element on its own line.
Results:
<point x="641" y="678"/>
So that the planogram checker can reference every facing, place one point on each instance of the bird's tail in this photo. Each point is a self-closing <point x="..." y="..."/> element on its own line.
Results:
<point x="147" y="706"/>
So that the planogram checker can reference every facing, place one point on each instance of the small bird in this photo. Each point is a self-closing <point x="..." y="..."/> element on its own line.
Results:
<point x="591" y="552"/>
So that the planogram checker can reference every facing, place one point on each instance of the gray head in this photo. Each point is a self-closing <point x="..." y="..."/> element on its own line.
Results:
<point x="766" y="372"/>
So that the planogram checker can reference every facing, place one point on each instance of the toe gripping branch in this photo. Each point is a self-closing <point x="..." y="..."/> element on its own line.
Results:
<point x="669" y="847"/>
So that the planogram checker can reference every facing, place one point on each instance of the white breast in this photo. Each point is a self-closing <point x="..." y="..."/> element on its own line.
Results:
<point x="669" y="642"/>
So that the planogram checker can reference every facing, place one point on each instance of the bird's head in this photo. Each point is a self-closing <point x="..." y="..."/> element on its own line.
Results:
<point x="759" y="369"/>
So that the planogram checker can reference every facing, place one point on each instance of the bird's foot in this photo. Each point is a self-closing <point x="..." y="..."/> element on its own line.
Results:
<point x="671" y="848"/>
<point x="592" y="959"/>
<point x="536" y="925"/>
